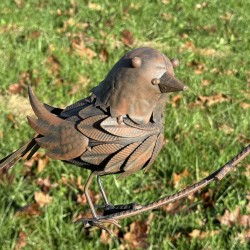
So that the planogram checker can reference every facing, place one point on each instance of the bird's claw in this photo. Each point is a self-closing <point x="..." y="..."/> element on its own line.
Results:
<point x="98" y="222"/>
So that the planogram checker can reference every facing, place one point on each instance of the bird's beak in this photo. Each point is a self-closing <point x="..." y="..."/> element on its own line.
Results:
<point x="169" y="83"/>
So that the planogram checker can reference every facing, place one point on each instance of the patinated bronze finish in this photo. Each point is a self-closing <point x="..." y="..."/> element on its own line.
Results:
<point x="116" y="130"/>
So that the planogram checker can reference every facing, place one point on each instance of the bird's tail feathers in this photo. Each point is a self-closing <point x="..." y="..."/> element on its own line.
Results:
<point x="31" y="147"/>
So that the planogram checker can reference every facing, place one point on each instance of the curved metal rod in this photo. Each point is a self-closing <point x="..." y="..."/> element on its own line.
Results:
<point x="217" y="175"/>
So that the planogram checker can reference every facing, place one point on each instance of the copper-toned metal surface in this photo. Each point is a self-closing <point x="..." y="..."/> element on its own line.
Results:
<point x="128" y="90"/>
<point x="116" y="130"/>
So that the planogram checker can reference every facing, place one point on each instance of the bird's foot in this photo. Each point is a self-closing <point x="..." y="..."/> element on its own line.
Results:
<point x="112" y="209"/>
<point x="98" y="222"/>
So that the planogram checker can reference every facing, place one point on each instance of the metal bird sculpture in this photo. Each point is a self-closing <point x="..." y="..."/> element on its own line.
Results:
<point x="118" y="129"/>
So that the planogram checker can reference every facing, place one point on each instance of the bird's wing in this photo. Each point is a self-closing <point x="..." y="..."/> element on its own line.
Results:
<point x="157" y="148"/>
<point x="60" y="137"/>
<point x="122" y="147"/>
<point x="139" y="157"/>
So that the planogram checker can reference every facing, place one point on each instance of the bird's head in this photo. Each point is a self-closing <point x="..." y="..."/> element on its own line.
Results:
<point x="137" y="85"/>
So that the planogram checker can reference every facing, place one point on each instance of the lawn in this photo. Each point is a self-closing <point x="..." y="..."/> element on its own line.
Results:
<point x="63" y="49"/>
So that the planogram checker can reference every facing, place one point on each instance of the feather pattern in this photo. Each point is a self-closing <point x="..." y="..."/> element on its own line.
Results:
<point x="91" y="128"/>
<point x="123" y="147"/>
<point x="60" y="137"/>
<point x="156" y="151"/>
<point x="111" y="126"/>
<point x="141" y="155"/>
<point x="117" y="161"/>
<point x="148" y="126"/>
<point x="99" y="153"/>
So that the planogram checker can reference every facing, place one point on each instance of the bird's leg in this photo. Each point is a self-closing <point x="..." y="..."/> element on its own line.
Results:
<point x="95" y="221"/>
<point x="110" y="208"/>
<point x="104" y="196"/>
<point x="86" y="192"/>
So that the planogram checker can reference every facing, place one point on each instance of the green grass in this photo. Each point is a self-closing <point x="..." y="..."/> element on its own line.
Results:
<point x="212" y="43"/>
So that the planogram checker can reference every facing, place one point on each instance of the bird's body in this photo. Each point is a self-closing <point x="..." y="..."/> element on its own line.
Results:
<point x="87" y="136"/>
<point x="116" y="130"/>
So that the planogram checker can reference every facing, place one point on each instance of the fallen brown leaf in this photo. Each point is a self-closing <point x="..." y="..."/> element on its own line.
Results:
<point x="244" y="237"/>
<point x="127" y="37"/>
<point x="212" y="100"/>
<point x="81" y="199"/>
<point x="33" y="161"/>
<point x="178" y="177"/>
<point x="226" y="129"/>
<point x="176" y="100"/>
<point x="243" y="138"/>
<point x="45" y="184"/>
<point x="15" y="88"/>
<point x="203" y="234"/>
<point x="104" y="55"/>
<point x="173" y="207"/>
<point x="207" y="198"/>
<point x="95" y="6"/>
<point x="165" y="1"/>
<point x="42" y="163"/>
<point x="42" y="199"/>
<point x="29" y="210"/>
<point x="54" y="65"/>
<point x="106" y="238"/>
<point x="6" y="176"/>
<point x="167" y="16"/>
<point x="245" y="105"/>
<point x="188" y="45"/>
<point x="195" y="233"/>
<point x="21" y="241"/>
<point x="21" y="86"/>
<point x="205" y="82"/>
<point x="19" y="3"/>
<point x="227" y="16"/>
<point x="197" y="66"/>
<point x="137" y="236"/>
<point x="78" y="45"/>
<point x="201" y="5"/>
<point x="234" y="218"/>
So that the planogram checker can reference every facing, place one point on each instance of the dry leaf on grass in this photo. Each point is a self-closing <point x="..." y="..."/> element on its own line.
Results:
<point x="178" y="177"/>
<point x="45" y="184"/>
<point x="137" y="236"/>
<point x="29" y="210"/>
<point x="245" y="105"/>
<point x="104" y="55"/>
<point x="173" y="207"/>
<point x="54" y="65"/>
<point x="205" y="82"/>
<point x="95" y="6"/>
<point x="176" y="100"/>
<point x="42" y="199"/>
<point x="105" y="236"/>
<point x="78" y="45"/>
<point x="39" y="159"/>
<point x="204" y="101"/>
<point x="72" y="181"/>
<point x="244" y="237"/>
<point x="42" y="163"/>
<point x="208" y="198"/>
<point x="24" y="80"/>
<point x="211" y="100"/>
<point x="127" y="37"/>
<point x="234" y="218"/>
<point x="210" y="52"/>
<point x="226" y="129"/>
<point x="203" y="234"/>
<point x="21" y="241"/>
